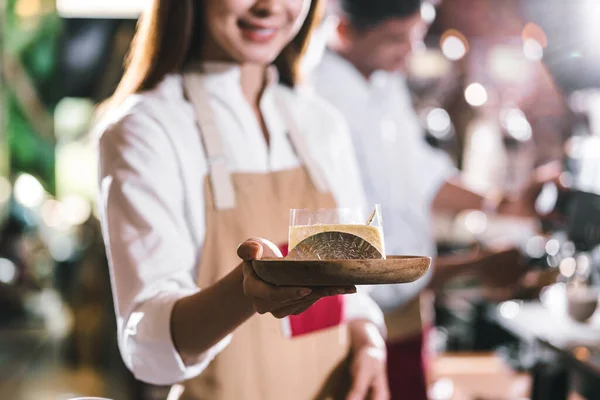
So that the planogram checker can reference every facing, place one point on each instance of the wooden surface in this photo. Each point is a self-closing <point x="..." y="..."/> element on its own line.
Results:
<point x="476" y="376"/>
<point x="394" y="269"/>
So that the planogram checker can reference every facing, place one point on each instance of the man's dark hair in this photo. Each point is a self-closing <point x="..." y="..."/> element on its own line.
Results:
<point x="364" y="14"/>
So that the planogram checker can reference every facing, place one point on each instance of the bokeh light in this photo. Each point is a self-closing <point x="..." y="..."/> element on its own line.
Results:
<point x="454" y="45"/>
<point x="533" y="50"/>
<point x="552" y="247"/>
<point x="29" y="191"/>
<point x="428" y="12"/>
<point x="439" y="123"/>
<point x="517" y="125"/>
<point x="8" y="271"/>
<point x="536" y="247"/>
<point x="476" y="222"/>
<point x="567" y="267"/>
<point x="476" y="95"/>
<point x="509" y="309"/>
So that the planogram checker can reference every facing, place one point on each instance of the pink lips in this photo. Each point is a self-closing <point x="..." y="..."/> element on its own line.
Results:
<point x="257" y="33"/>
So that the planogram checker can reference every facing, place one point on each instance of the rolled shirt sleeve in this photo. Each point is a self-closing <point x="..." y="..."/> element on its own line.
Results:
<point x="147" y="348"/>
<point x="152" y="256"/>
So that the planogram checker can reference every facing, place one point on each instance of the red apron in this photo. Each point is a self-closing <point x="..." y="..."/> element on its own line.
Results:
<point x="408" y="329"/>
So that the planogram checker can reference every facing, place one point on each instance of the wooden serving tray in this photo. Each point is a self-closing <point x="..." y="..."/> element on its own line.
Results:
<point x="393" y="269"/>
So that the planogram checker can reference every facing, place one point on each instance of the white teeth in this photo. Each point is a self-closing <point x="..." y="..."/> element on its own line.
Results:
<point x="258" y="30"/>
<point x="264" y="32"/>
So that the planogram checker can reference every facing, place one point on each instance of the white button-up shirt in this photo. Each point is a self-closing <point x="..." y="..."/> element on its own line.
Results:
<point x="152" y="164"/>
<point x="399" y="169"/>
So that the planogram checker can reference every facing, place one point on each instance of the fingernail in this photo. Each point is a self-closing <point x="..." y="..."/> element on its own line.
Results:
<point x="342" y="291"/>
<point x="304" y="292"/>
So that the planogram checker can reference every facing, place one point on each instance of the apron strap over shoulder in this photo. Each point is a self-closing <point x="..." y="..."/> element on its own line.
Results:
<point x="220" y="176"/>
<point x="299" y="145"/>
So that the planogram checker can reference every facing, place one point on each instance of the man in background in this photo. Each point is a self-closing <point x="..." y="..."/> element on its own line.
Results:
<point x="363" y="75"/>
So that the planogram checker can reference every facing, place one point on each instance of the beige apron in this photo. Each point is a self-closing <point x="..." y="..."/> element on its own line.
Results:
<point x="260" y="364"/>
<point x="404" y="322"/>
<point x="408" y="357"/>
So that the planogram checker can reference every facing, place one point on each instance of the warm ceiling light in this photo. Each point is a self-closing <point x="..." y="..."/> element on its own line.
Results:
<point x="533" y="31"/>
<point x="476" y="95"/>
<point x="454" y="45"/>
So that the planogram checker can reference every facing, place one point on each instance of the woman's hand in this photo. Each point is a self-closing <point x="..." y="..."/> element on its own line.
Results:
<point x="368" y="367"/>
<point x="281" y="301"/>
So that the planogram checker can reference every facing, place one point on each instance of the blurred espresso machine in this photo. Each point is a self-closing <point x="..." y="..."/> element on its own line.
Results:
<point x="569" y="244"/>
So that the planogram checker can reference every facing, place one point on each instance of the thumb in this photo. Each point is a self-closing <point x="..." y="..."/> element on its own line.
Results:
<point x="250" y="250"/>
<point x="269" y="248"/>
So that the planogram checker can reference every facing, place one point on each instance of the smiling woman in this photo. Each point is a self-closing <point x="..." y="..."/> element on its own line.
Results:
<point x="204" y="145"/>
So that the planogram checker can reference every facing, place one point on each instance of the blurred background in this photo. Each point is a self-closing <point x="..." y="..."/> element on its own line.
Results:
<point x="501" y="85"/>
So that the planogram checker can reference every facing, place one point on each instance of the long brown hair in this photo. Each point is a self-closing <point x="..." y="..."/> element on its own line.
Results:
<point x="169" y="35"/>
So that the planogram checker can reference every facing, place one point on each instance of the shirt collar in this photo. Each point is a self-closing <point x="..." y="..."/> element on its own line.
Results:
<point x="336" y="69"/>
<point x="341" y="71"/>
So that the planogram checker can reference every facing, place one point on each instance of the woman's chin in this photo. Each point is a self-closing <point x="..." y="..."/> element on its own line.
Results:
<point x="257" y="56"/>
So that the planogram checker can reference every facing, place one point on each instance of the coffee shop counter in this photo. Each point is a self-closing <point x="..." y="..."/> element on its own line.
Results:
<point x="566" y="353"/>
<point x="561" y="354"/>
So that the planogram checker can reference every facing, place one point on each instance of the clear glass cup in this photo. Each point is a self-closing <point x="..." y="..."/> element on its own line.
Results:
<point x="305" y="223"/>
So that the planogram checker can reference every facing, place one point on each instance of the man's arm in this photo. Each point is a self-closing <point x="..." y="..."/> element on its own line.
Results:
<point x="451" y="266"/>
<point x="501" y="267"/>
<point x="454" y="196"/>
